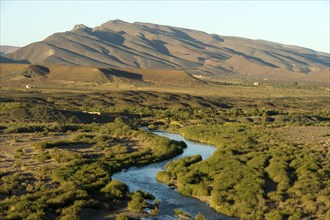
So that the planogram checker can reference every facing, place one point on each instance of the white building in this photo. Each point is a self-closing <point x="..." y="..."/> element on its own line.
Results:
<point x="28" y="86"/>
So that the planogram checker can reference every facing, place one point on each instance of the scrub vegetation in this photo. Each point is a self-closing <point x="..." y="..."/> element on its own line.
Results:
<point x="253" y="174"/>
<point x="59" y="178"/>
<point x="59" y="151"/>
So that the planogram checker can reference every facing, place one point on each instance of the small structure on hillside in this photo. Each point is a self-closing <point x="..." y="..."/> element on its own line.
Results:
<point x="256" y="83"/>
<point x="94" y="113"/>
<point x="28" y="86"/>
<point x="199" y="76"/>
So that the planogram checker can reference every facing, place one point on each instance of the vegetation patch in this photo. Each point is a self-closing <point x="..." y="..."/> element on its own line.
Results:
<point x="59" y="150"/>
<point x="253" y="174"/>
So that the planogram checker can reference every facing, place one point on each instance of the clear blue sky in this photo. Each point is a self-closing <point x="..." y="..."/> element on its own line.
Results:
<point x="301" y="23"/>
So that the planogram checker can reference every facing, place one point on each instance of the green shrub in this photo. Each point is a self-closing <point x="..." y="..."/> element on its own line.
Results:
<point x="40" y="145"/>
<point x="72" y="212"/>
<point x="137" y="202"/>
<point x="274" y="215"/>
<point x="200" y="216"/>
<point x="89" y="176"/>
<point x="65" y="155"/>
<point x="163" y="176"/>
<point x="115" y="190"/>
<point x="43" y="156"/>
<point x="121" y="217"/>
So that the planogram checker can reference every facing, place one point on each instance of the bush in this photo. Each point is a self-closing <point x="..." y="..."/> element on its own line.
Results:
<point x="40" y="145"/>
<point x="163" y="176"/>
<point x="274" y="215"/>
<point x="121" y="217"/>
<point x="19" y="152"/>
<point x="89" y="177"/>
<point x="64" y="155"/>
<point x="200" y="216"/>
<point x="137" y="203"/>
<point x="43" y="156"/>
<point x="115" y="190"/>
<point x="72" y="212"/>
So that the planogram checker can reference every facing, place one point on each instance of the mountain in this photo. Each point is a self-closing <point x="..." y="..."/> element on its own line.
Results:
<point x="7" y="49"/>
<point x="119" y="44"/>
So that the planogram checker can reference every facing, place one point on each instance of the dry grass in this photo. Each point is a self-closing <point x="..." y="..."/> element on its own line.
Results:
<point x="10" y="143"/>
<point x="90" y="79"/>
<point x="309" y="135"/>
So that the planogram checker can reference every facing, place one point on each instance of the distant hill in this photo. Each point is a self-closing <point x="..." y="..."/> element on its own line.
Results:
<point x="118" y="44"/>
<point x="7" y="49"/>
<point x="26" y="73"/>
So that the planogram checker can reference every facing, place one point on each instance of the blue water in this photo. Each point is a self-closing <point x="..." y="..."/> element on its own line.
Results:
<point x="143" y="178"/>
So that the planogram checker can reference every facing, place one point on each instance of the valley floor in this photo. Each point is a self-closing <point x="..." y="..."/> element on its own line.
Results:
<point x="60" y="146"/>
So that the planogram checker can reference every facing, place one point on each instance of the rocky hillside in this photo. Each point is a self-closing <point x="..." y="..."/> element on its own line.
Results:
<point x="142" y="45"/>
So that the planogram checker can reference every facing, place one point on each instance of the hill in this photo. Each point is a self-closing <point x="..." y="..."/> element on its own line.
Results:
<point x="27" y="73"/>
<point x="4" y="49"/>
<point x="119" y="44"/>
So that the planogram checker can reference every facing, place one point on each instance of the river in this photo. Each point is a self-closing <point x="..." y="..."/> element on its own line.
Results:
<point x="143" y="178"/>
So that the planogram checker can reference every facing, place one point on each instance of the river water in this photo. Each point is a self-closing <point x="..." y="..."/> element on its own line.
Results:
<point x="143" y="178"/>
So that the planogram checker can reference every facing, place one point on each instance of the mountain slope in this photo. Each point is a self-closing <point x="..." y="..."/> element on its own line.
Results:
<point x="7" y="49"/>
<point x="143" y="45"/>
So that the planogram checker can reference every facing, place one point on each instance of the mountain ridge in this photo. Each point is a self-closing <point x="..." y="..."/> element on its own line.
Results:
<point x="120" y="44"/>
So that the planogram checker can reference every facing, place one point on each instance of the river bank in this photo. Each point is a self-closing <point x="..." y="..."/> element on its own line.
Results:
<point x="143" y="178"/>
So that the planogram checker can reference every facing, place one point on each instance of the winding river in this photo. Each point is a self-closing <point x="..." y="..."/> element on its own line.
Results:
<point x="143" y="178"/>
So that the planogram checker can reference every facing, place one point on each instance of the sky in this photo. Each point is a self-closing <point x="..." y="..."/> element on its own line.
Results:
<point x="301" y="23"/>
